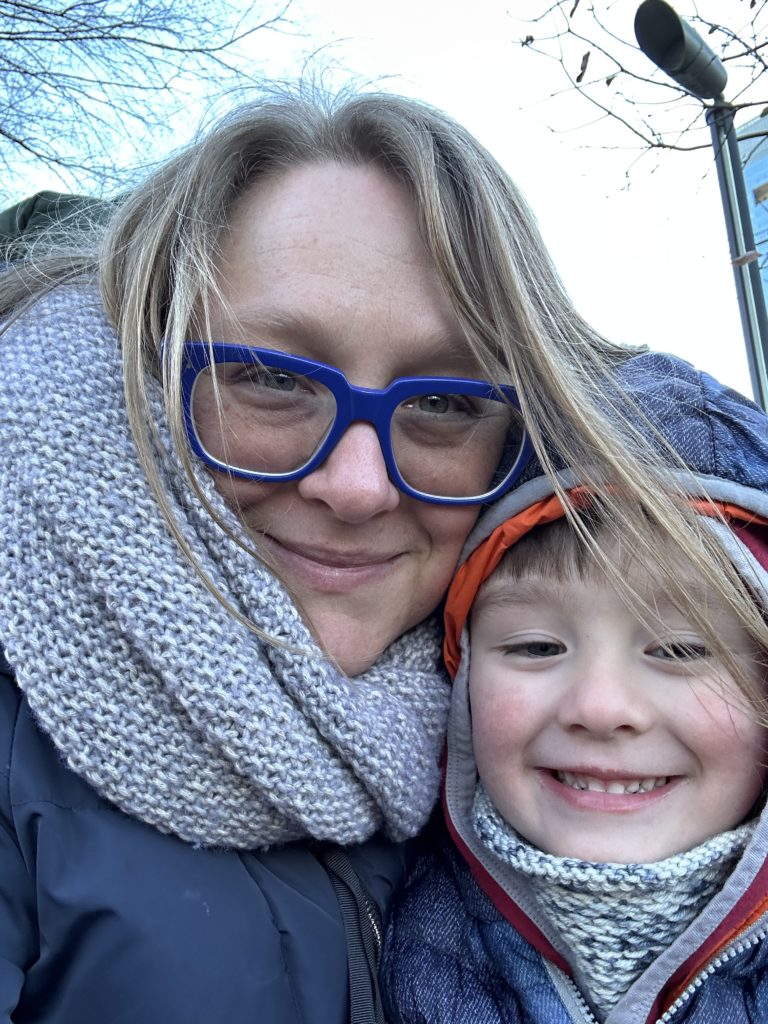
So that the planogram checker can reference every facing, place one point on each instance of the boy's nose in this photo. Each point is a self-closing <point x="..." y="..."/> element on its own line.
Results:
<point x="604" y="698"/>
<point x="353" y="481"/>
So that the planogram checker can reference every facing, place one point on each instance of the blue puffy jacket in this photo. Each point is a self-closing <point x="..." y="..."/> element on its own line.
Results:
<point x="452" y="958"/>
<point x="104" y="920"/>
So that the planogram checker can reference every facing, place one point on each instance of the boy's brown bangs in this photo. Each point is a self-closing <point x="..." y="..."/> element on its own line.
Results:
<point x="520" y="547"/>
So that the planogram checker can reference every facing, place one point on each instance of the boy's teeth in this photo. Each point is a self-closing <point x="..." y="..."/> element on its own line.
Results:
<point x="611" y="785"/>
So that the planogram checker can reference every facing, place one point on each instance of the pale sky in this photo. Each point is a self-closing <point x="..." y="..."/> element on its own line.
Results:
<point x="643" y="255"/>
<point x="645" y="258"/>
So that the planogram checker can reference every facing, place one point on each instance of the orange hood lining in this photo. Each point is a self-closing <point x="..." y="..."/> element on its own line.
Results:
<point x="481" y="563"/>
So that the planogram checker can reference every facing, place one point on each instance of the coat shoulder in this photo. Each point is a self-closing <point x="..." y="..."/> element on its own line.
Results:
<point x="452" y="958"/>
<point x="214" y="934"/>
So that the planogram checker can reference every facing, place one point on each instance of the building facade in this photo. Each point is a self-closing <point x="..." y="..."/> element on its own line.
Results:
<point x="753" y="147"/>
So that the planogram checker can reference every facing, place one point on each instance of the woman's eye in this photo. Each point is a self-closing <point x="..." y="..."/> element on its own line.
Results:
<point x="278" y="380"/>
<point x="262" y="377"/>
<point x="535" y="648"/>
<point x="275" y="379"/>
<point x="442" y="404"/>
<point x="679" y="650"/>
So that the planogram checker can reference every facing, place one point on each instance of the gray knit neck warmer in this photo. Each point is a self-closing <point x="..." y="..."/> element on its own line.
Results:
<point x="148" y="687"/>
<point x="616" y="918"/>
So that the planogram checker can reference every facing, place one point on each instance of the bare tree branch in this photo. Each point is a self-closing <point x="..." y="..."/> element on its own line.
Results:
<point x="593" y="46"/>
<point x="84" y="85"/>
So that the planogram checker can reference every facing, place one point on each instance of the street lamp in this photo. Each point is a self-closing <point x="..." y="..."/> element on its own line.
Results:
<point x="679" y="51"/>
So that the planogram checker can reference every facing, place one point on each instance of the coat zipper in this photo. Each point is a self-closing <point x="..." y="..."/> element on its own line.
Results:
<point x="373" y="916"/>
<point x="587" y="1016"/>
<point x="740" y="946"/>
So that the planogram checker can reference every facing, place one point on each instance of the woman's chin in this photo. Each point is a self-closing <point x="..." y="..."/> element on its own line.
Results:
<point x="353" y="650"/>
<point x="352" y="637"/>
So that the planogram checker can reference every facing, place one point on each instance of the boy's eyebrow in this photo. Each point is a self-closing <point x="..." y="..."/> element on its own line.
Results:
<point x="510" y="591"/>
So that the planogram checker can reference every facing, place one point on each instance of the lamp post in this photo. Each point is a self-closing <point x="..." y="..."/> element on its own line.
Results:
<point x="679" y="51"/>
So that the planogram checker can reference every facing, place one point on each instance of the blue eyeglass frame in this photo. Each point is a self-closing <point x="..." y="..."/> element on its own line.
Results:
<point x="353" y="404"/>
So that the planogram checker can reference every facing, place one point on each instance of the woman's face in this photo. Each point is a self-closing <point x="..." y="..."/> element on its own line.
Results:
<point x="325" y="261"/>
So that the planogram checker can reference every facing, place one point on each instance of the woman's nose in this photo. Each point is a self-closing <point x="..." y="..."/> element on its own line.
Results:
<point x="353" y="481"/>
<point x="605" y="696"/>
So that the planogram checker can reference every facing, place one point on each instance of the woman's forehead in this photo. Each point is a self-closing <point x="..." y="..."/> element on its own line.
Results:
<point x="327" y="262"/>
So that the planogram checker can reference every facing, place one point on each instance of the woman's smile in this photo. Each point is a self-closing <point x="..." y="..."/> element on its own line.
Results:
<point x="326" y="568"/>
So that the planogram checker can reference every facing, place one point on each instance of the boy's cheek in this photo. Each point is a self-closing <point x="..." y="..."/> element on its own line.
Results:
<point x="501" y="727"/>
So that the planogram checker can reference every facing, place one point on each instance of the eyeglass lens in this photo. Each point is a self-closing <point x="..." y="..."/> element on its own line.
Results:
<point x="268" y="420"/>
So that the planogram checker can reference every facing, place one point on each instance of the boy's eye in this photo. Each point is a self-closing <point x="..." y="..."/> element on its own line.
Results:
<point x="535" y="648"/>
<point x="678" y="651"/>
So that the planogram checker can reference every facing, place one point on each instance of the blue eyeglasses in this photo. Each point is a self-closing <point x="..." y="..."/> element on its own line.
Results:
<point x="259" y="414"/>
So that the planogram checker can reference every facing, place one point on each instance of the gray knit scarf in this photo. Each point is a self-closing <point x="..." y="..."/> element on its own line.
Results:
<point x="616" y="918"/>
<point x="148" y="687"/>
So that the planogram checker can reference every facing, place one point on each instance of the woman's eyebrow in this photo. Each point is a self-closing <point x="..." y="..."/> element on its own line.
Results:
<point x="313" y="333"/>
<point x="272" y="320"/>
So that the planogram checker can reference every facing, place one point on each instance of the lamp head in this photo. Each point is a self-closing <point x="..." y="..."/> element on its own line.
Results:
<point x="679" y="50"/>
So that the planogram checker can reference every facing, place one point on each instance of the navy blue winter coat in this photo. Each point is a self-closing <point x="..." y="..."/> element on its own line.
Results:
<point x="104" y="920"/>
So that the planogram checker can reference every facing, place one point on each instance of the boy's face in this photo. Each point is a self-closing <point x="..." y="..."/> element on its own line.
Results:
<point x="599" y="738"/>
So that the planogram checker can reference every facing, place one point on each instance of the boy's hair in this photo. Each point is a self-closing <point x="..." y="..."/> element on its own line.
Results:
<point x="557" y="551"/>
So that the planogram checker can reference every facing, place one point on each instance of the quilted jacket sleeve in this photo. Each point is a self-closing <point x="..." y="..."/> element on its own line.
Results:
<point x="17" y="934"/>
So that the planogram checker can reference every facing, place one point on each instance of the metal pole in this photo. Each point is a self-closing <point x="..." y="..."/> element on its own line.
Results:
<point x="741" y="239"/>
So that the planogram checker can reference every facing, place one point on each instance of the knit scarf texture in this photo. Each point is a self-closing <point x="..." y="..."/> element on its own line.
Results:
<point x="616" y="918"/>
<point x="149" y="688"/>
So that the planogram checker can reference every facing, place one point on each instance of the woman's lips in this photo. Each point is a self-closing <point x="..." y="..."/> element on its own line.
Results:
<point x="328" y="569"/>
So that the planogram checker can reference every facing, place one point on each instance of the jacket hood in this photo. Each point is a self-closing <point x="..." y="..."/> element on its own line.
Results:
<point x="723" y="438"/>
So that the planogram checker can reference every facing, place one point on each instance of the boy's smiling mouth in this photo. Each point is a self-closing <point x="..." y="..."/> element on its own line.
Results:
<point x="583" y="781"/>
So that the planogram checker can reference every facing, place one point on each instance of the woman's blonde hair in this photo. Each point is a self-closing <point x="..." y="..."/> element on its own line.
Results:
<point x="156" y="265"/>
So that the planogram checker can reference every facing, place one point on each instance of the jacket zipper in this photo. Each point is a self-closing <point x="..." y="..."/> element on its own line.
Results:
<point x="373" y="916"/>
<point x="587" y="1016"/>
<point x="740" y="946"/>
